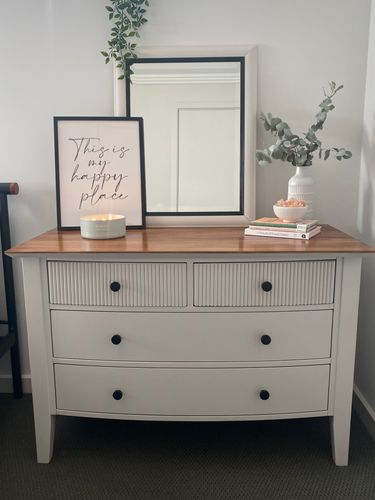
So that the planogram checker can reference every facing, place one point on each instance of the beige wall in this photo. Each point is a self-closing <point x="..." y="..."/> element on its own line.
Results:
<point x="51" y="65"/>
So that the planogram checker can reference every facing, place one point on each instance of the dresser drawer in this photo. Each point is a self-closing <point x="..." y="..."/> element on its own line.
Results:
<point x="181" y="391"/>
<point x="191" y="336"/>
<point x="117" y="284"/>
<point x="264" y="283"/>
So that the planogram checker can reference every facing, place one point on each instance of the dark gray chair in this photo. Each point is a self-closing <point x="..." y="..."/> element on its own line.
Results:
<point x="10" y="340"/>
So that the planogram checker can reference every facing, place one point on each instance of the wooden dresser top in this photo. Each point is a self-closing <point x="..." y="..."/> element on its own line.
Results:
<point x="188" y="240"/>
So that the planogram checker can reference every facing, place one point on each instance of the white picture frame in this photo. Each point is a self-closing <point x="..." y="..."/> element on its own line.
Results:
<point x="249" y="53"/>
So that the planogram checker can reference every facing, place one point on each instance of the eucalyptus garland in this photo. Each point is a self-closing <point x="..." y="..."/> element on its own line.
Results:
<point x="127" y="17"/>
<point x="300" y="150"/>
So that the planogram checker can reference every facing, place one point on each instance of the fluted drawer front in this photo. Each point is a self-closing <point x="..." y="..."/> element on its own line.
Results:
<point x="133" y="284"/>
<point x="194" y="391"/>
<point x="284" y="283"/>
<point x="179" y="336"/>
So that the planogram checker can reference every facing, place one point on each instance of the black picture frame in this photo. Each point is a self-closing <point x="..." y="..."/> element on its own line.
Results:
<point x="99" y="168"/>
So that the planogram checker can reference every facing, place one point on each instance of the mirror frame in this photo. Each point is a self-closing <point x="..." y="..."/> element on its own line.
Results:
<point x="249" y="54"/>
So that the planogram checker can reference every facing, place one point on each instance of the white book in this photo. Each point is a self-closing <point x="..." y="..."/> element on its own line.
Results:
<point x="283" y="229"/>
<point x="283" y="234"/>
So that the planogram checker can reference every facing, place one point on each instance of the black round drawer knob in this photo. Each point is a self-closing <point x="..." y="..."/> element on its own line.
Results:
<point x="266" y="286"/>
<point x="117" y="395"/>
<point x="116" y="339"/>
<point x="265" y="339"/>
<point x="115" y="286"/>
<point x="264" y="395"/>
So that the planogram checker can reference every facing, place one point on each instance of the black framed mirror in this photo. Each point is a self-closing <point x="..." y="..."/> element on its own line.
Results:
<point x="193" y="111"/>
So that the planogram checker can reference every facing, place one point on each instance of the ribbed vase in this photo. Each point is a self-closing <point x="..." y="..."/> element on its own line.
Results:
<point x="301" y="187"/>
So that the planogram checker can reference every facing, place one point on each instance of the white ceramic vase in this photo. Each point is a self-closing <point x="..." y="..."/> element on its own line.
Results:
<point x="301" y="187"/>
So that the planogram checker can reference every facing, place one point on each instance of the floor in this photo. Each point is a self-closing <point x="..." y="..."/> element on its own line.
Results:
<point x="104" y="459"/>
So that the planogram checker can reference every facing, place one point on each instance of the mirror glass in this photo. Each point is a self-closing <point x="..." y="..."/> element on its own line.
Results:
<point x="194" y="135"/>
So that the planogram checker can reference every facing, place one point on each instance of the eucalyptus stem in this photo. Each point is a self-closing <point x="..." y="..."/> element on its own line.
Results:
<point x="297" y="150"/>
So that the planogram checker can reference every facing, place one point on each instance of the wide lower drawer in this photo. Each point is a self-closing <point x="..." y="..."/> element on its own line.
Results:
<point x="250" y="284"/>
<point x="125" y="284"/>
<point x="181" y="391"/>
<point x="191" y="336"/>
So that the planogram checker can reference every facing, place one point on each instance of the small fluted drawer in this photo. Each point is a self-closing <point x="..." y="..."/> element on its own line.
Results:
<point x="264" y="283"/>
<point x="117" y="284"/>
<point x="192" y="391"/>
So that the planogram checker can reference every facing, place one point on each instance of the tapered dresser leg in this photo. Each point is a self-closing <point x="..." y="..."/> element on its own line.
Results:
<point x="340" y="435"/>
<point x="343" y="371"/>
<point x="38" y="332"/>
<point x="44" y="435"/>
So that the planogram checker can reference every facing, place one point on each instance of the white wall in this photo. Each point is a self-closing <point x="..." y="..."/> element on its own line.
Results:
<point x="51" y="65"/>
<point x="365" y="365"/>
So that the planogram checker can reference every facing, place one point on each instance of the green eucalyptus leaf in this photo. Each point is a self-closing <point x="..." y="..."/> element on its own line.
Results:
<point x="300" y="159"/>
<point x="267" y="126"/>
<point x="288" y="134"/>
<point x="326" y="154"/>
<point x="277" y="153"/>
<point x="281" y="128"/>
<point x="263" y="155"/>
<point x="275" y="122"/>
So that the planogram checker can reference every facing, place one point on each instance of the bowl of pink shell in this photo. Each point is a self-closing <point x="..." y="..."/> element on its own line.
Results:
<point x="290" y="210"/>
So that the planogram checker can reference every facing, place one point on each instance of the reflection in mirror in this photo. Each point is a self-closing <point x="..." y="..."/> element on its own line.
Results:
<point x="194" y="134"/>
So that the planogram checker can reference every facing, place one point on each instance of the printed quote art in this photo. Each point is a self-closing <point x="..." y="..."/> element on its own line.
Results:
<point x="99" y="169"/>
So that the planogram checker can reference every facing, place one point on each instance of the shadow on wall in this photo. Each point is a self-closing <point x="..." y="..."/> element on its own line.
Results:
<point x="365" y="368"/>
<point x="366" y="207"/>
<point x="366" y="221"/>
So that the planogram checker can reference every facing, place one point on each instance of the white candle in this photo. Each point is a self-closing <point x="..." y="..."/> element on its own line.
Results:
<point x="103" y="226"/>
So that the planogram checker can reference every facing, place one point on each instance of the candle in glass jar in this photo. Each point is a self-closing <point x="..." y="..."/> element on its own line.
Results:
<point x="103" y="226"/>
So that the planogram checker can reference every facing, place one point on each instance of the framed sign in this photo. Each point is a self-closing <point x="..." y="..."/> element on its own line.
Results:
<point x="99" y="169"/>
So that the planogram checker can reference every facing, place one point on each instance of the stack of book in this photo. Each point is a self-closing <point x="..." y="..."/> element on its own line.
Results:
<point x="276" y="228"/>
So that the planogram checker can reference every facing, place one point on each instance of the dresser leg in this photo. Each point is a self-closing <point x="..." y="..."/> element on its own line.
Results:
<point x="340" y="435"/>
<point x="44" y="435"/>
<point x="344" y="369"/>
<point x="40" y="358"/>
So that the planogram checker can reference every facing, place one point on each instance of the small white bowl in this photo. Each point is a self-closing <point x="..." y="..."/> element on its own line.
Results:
<point x="290" y="214"/>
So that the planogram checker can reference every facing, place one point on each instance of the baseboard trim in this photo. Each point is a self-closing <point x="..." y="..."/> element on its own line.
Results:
<point x="365" y="411"/>
<point x="6" y="384"/>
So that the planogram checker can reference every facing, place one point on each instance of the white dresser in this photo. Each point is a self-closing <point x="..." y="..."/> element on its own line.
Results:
<point x="192" y="324"/>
